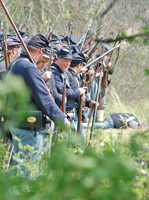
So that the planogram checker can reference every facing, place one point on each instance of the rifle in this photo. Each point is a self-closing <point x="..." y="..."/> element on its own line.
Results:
<point x="16" y="30"/>
<point x="81" y="40"/>
<point x="104" y="79"/>
<point x="63" y="106"/>
<point x="86" y="34"/>
<point x="50" y="63"/>
<point x="81" y="105"/>
<point x="89" y="39"/>
<point x="49" y="33"/>
<point x="5" y="50"/>
<point x="23" y="23"/>
<point x="50" y="58"/>
<point x="94" y="47"/>
<point x="64" y="95"/>
<point x="95" y="60"/>
<point x="100" y="103"/>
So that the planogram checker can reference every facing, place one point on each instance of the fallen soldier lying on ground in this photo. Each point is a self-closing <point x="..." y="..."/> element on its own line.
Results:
<point x="119" y="120"/>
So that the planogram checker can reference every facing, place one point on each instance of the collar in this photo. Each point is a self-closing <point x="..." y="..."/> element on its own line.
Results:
<point x="24" y="54"/>
<point x="57" y="67"/>
<point x="72" y="71"/>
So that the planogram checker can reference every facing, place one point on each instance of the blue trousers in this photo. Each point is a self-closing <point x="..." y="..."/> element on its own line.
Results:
<point x="107" y="123"/>
<point x="27" y="138"/>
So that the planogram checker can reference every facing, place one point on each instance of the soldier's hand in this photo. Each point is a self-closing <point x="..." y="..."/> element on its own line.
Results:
<point x="108" y="65"/>
<point x="83" y="97"/>
<point x="91" y="78"/>
<point x="93" y="103"/>
<point x="98" y="74"/>
<point x="82" y="90"/>
<point x="91" y="72"/>
<point x="46" y="75"/>
<point x="65" y="100"/>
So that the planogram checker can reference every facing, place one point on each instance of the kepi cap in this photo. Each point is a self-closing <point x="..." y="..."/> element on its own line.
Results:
<point x="38" y="41"/>
<point x="77" y="59"/>
<point x="12" y="43"/>
<point x="73" y="39"/>
<point x="65" y="53"/>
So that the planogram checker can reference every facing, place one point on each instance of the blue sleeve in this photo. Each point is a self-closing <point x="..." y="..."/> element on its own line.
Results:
<point x="87" y="102"/>
<point x="40" y="94"/>
<point x="56" y="95"/>
<point x="71" y="93"/>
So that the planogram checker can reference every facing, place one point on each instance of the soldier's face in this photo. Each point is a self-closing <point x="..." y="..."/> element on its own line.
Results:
<point x="64" y="64"/>
<point x="42" y="64"/>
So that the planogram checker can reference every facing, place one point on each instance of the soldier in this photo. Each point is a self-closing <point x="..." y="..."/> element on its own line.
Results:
<point x="14" y="47"/>
<point x="40" y="96"/>
<point x="49" y="77"/>
<point x="107" y="65"/>
<point x="76" y="82"/>
<point x="59" y="69"/>
<point x="119" y="120"/>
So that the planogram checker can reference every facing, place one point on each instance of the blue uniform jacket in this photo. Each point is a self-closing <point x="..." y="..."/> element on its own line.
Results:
<point x="54" y="92"/>
<point x="39" y="93"/>
<point x="72" y="94"/>
<point x="75" y="83"/>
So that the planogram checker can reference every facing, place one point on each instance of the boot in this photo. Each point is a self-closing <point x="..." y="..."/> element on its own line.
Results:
<point x="100" y="114"/>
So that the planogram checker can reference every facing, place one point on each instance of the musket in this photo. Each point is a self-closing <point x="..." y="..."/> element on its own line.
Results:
<point x="89" y="39"/>
<point x="64" y="95"/>
<point x="98" y="95"/>
<point x="105" y="71"/>
<point x="81" y="40"/>
<point x="86" y="50"/>
<point x="94" y="47"/>
<point x="95" y="60"/>
<point x="80" y="107"/>
<point x="49" y="30"/>
<point x="49" y="33"/>
<point x="50" y="63"/>
<point x="86" y="34"/>
<point x="23" y="23"/>
<point x="93" y="107"/>
<point x="5" y="50"/>
<point x="63" y="106"/>
<point x="50" y="58"/>
<point x="16" y="30"/>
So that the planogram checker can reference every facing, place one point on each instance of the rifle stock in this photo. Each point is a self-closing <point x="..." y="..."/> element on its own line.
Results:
<point x="81" y="106"/>
<point x="64" y="95"/>
<point x="86" y="34"/>
<point x="5" y="51"/>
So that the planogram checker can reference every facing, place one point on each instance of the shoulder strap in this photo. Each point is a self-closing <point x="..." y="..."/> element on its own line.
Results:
<point x="128" y="119"/>
<point x="17" y="62"/>
<point x="2" y="58"/>
<point x="14" y="64"/>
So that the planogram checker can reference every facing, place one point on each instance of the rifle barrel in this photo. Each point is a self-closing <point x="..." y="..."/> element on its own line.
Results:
<point x="16" y="30"/>
<point x="5" y="51"/>
<point x="95" y="60"/>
